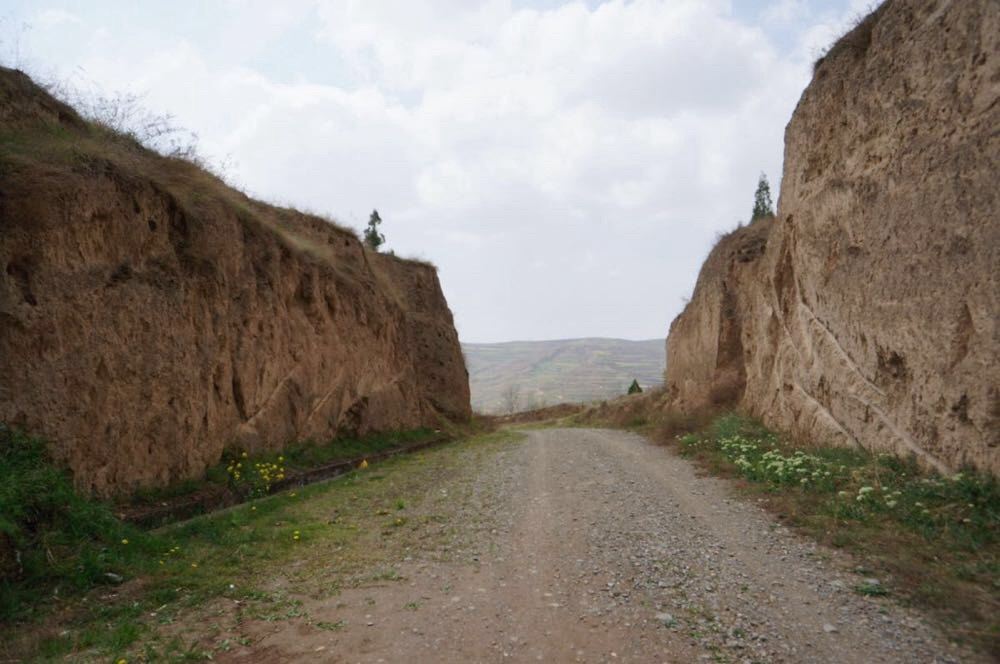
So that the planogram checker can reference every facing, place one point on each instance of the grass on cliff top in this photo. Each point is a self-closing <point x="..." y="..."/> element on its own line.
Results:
<point x="257" y="561"/>
<point x="932" y="541"/>
<point x="61" y="156"/>
<point x="856" y="39"/>
<point x="114" y="136"/>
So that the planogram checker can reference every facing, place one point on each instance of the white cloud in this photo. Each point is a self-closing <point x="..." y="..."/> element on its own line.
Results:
<point x="48" y="18"/>
<point x="786" y="12"/>
<point x="532" y="154"/>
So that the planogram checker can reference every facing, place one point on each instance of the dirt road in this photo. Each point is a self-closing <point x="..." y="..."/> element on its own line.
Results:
<point x="597" y="546"/>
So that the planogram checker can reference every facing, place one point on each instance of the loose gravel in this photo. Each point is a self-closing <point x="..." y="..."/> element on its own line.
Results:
<point x="584" y="545"/>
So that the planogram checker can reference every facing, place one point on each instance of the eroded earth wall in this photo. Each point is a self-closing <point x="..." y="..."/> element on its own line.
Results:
<point x="867" y="312"/>
<point x="150" y="316"/>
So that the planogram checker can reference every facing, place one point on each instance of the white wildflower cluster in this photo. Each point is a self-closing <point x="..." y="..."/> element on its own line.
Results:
<point x="882" y="497"/>
<point x="891" y="497"/>
<point x="739" y="450"/>
<point x="865" y="493"/>
<point x="773" y="465"/>
<point x="689" y="440"/>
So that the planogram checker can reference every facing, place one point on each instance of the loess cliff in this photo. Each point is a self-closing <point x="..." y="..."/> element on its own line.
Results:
<point x="150" y="316"/>
<point x="868" y="311"/>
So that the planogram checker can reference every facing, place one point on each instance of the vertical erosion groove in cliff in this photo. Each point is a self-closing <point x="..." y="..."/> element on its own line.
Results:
<point x="151" y="316"/>
<point x="870" y="318"/>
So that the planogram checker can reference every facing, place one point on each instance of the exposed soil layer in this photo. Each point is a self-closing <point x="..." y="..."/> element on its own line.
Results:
<point x="867" y="312"/>
<point x="150" y="315"/>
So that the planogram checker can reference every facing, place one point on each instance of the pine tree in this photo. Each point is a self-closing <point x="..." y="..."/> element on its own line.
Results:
<point x="634" y="387"/>
<point x="373" y="238"/>
<point x="762" y="205"/>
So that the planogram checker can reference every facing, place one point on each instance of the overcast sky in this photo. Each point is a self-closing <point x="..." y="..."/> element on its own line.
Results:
<point x="567" y="165"/>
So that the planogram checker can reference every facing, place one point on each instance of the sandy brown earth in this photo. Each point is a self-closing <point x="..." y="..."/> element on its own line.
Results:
<point x="582" y="545"/>
<point x="866" y="313"/>
<point x="151" y="316"/>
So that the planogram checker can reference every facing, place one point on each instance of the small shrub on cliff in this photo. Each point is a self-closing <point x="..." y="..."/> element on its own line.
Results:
<point x="52" y="539"/>
<point x="634" y="387"/>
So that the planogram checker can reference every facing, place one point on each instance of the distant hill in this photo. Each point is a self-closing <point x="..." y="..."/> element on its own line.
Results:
<point x="561" y="371"/>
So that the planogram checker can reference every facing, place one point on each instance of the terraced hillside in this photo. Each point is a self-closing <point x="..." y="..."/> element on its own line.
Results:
<point x="560" y="371"/>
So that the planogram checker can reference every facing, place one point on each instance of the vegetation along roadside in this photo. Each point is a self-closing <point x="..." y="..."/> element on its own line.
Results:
<point x="79" y="580"/>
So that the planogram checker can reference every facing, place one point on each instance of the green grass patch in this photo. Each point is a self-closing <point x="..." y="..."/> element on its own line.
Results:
<point x="252" y="476"/>
<point x="935" y="538"/>
<point x="871" y="589"/>
<point x="317" y="539"/>
<point x="310" y="454"/>
<point x="52" y="540"/>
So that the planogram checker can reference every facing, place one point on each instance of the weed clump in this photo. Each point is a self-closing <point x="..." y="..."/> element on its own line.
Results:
<point x="254" y="480"/>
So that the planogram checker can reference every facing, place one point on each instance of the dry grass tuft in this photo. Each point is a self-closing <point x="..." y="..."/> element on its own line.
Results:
<point x="856" y="40"/>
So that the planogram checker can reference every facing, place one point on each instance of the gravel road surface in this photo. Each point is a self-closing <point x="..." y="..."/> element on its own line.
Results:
<point x="587" y="545"/>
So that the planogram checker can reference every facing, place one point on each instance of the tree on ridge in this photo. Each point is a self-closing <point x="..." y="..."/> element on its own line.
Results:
<point x="373" y="238"/>
<point x="762" y="205"/>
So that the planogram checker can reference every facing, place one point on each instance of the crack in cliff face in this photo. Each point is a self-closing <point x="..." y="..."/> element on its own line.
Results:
<point x="902" y="436"/>
<point x="821" y="411"/>
<point x="21" y="274"/>
<point x="238" y="399"/>
<point x="839" y="352"/>
<point x="730" y="373"/>
<point x="964" y="332"/>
